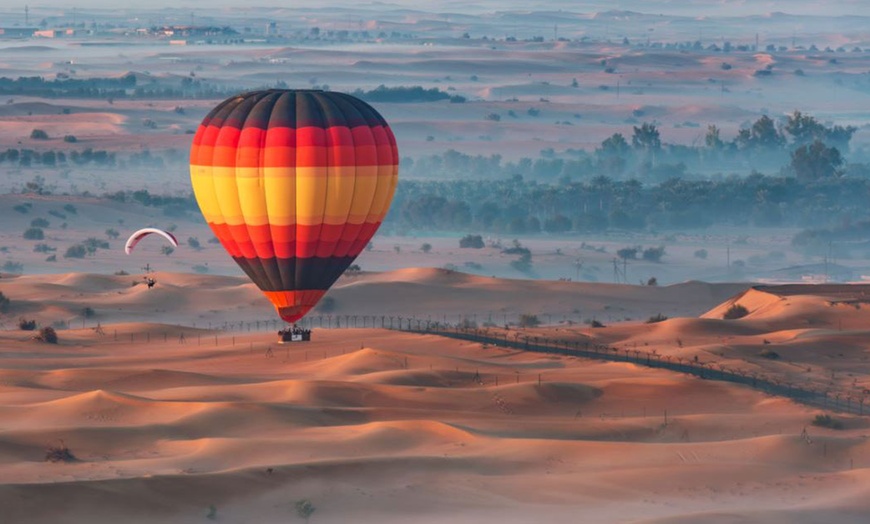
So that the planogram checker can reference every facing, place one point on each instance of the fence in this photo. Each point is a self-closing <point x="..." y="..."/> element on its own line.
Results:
<point x="825" y="399"/>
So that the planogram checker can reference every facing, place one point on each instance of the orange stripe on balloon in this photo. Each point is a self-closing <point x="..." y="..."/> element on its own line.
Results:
<point x="292" y="305"/>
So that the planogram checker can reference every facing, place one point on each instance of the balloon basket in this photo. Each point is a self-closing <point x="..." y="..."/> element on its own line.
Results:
<point x="287" y="336"/>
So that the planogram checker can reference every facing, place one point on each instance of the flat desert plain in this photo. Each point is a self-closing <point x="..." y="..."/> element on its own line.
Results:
<point x="171" y="423"/>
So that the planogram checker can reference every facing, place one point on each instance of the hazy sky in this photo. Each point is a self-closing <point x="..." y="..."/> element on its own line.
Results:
<point x="673" y="7"/>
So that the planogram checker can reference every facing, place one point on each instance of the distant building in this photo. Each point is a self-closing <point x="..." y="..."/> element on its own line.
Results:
<point x="17" y="32"/>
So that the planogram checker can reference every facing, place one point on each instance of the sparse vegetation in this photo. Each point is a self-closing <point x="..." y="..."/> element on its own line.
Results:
<point x="426" y="247"/>
<point x="326" y="305"/>
<point x="33" y="233"/>
<point x="529" y="320"/>
<point x="304" y="509"/>
<point x="167" y="250"/>
<point x="59" y="453"/>
<point x="193" y="242"/>
<point x="827" y="421"/>
<point x="10" y="266"/>
<point x="26" y="325"/>
<point x="735" y="311"/>
<point x="39" y="134"/>
<point x="596" y="324"/>
<point x="47" y="335"/>
<point x="769" y="353"/>
<point x="701" y="253"/>
<point x="656" y="318"/>
<point x="39" y="222"/>
<point x="5" y="303"/>
<point x="471" y="241"/>
<point x="76" y="251"/>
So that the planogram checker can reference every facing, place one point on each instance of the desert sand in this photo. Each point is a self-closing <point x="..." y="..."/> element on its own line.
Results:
<point x="174" y="423"/>
<point x="177" y="404"/>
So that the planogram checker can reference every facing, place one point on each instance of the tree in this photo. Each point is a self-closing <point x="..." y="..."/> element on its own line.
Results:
<point x="471" y="241"/>
<point x="39" y="134"/>
<point x="816" y="161"/>
<point x="4" y="303"/>
<point x="76" y="251"/>
<point x="47" y="335"/>
<point x="426" y="247"/>
<point x="646" y="137"/>
<point x="33" y="233"/>
<point x="712" y="139"/>
<point x="764" y="134"/>
<point x="167" y="250"/>
<point x="112" y="233"/>
<point x="653" y="254"/>
<point x="529" y="320"/>
<point x="193" y="242"/>
<point x="627" y="253"/>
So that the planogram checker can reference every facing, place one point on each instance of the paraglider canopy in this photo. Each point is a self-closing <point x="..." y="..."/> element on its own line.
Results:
<point x="142" y="233"/>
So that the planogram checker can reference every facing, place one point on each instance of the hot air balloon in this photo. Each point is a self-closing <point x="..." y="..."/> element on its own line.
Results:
<point x="294" y="184"/>
<point x="142" y="233"/>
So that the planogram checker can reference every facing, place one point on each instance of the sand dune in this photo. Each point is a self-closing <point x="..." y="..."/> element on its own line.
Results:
<point x="381" y="425"/>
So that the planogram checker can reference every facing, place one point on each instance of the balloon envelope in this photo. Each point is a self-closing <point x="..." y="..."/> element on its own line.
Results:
<point x="144" y="232"/>
<point x="294" y="183"/>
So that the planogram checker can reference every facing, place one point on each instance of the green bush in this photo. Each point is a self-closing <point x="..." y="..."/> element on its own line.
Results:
<point x="826" y="421"/>
<point x="47" y="335"/>
<point x="33" y="233"/>
<point x="656" y="318"/>
<point x="76" y="251"/>
<point x="529" y="320"/>
<point x="735" y="311"/>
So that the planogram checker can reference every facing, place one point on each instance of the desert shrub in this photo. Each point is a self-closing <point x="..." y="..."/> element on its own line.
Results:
<point x="200" y="268"/>
<point x="653" y="254"/>
<point x="112" y="233"/>
<point x="39" y="134"/>
<point x="523" y="264"/>
<point x="656" y="318"/>
<point x="652" y="281"/>
<point x="4" y="303"/>
<point x="596" y="324"/>
<point x="326" y="305"/>
<point x="426" y="247"/>
<point x="769" y="353"/>
<point x="304" y="509"/>
<point x="627" y="252"/>
<point x="701" y="253"/>
<point x="47" y="335"/>
<point x="70" y="139"/>
<point x="121" y="273"/>
<point x="59" y="453"/>
<point x="26" y="325"/>
<point x="13" y="267"/>
<point x="494" y="117"/>
<point x="39" y="222"/>
<point x="21" y="208"/>
<point x="88" y="312"/>
<point x="167" y="250"/>
<point x="51" y="258"/>
<point x="826" y="421"/>
<point x="71" y="209"/>
<point x="735" y="311"/>
<point x="529" y="320"/>
<point x="76" y="251"/>
<point x="33" y="233"/>
<point x="471" y="241"/>
<point x="213" y="240"/>
<point x="193" y="242"/>
<point x="56" y="213"/>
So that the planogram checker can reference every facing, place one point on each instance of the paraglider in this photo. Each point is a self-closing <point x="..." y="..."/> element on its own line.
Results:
<point x="142" y="233"/>
<point x="294" y="184"/>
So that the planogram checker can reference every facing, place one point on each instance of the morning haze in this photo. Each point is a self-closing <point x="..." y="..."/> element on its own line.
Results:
<point x="621" y="276"/>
